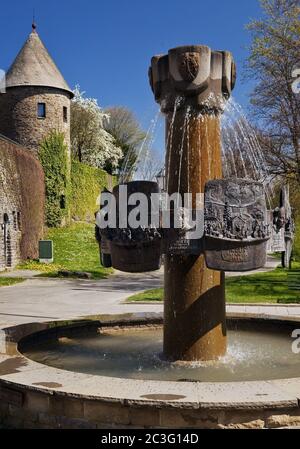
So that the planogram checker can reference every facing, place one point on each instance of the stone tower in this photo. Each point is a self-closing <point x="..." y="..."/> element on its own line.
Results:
<point x="37" y="98"/>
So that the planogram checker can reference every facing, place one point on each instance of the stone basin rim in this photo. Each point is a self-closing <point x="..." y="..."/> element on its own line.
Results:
<point x="15" y="334"/>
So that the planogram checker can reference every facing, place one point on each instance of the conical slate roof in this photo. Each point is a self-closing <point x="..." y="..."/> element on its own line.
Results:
<point x="34" y="67"/>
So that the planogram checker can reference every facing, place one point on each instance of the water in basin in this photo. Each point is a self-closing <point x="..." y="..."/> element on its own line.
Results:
<point x="136" y="354"/>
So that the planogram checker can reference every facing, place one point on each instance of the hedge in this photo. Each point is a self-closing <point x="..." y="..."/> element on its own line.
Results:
<point x="86" y="184"/>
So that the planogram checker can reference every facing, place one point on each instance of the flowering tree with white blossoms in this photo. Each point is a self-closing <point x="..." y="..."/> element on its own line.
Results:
<point x="90" y="142"/>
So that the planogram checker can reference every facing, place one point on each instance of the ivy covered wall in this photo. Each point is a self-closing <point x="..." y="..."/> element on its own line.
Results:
<point x="72" y="188"/>
<point x="86" y="185"/>
<point x="22" y="196"/>
<point x="53" y="156"/>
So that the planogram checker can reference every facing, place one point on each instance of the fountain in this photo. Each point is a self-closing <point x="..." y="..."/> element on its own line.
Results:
<point x="192" y="85"/>
<point x="202" y="80"/>
<point x="140" y="369"/>
<point x="195" y="326"/>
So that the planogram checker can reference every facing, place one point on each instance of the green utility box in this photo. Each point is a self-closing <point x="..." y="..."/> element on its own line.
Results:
<point x="46" y="251"/>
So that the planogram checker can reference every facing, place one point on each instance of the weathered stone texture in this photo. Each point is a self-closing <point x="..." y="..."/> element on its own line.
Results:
<point x="280" y="421"/>
<point x="49" y="410"/>
<point x="38" y="412"/>
<point x="19" y="118"/>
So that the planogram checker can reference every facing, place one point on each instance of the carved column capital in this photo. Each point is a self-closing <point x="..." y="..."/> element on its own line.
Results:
<point x="193" y="76"/>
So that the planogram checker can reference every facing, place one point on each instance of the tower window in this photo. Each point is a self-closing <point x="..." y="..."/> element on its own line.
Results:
<point x="65" y="114"/>
<point x="41" y="110"/>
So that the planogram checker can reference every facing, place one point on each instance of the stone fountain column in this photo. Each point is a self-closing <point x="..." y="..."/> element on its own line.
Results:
<point x="192" y="85"/>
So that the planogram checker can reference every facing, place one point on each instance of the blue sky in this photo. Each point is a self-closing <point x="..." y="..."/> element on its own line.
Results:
<point x="106" y="46"/>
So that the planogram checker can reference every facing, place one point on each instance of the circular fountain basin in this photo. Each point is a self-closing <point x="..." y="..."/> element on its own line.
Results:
<point x="256" y="351"/>
<point x="107" y="372"/>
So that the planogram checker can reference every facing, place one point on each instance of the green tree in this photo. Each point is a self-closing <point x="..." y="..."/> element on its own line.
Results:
<point x="128" y="135"/>
<point x="53" y="156"/>
<point x="274" y="54"/>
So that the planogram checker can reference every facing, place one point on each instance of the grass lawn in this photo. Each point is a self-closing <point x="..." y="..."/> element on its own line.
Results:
<point x="277" y="287"/>
<point x="75" y="249"/>
<point x="6" y="282"/>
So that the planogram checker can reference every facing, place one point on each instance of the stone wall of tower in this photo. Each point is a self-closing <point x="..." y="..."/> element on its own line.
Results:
<point x="19" y="119"/>
<point x="22" y="198"/>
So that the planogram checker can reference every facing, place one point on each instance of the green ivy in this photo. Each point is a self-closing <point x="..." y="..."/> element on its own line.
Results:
<point x="79" y="186"/>
<point x="53" y="156"/>
<point x="86" y="185"/>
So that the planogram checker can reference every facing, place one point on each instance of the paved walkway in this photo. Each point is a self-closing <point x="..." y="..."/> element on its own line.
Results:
<point x="25" y="274"/>
<point x="43" y="299"/>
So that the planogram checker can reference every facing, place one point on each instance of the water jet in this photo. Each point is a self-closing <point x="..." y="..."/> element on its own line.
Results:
<point x="216" y="371"/>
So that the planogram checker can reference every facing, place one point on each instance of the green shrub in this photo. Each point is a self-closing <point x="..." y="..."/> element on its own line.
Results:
<point x="53" y="155"/>
<point x="86" y="185"/>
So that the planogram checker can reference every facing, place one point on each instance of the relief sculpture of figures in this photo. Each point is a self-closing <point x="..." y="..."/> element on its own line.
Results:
<point x="236" y="225"/>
